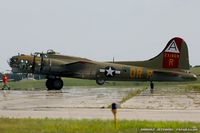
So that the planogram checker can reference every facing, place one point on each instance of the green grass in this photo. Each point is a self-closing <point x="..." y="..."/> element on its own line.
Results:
<point x="85" y="126"/>
<point x="27" y="85"/>
<point x="131" y="94"/>
<point x="40" y="84"/>
<point x="196" y="70"/>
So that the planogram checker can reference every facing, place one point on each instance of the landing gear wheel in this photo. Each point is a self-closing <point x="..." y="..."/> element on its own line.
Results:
<point x="49" y="84"/>
<point x="100" y="81"/>
<point x="54" y="84"/>
<point x="57" y="84"/>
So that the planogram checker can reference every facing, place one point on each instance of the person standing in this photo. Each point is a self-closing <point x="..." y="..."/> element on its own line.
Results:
<point x="5" y="82"/>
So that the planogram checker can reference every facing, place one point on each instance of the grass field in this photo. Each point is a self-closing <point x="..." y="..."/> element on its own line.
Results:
<point x="196" y="70"/>
<point x="89" y="126"/>
<point x="40" y="84"/>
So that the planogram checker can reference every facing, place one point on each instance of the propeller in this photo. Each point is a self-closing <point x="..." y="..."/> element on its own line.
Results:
<point x="42" y="61"/>
<point x="41" y="64"/>
<point x="24" y="64"/>
<point x="33" y="66"/>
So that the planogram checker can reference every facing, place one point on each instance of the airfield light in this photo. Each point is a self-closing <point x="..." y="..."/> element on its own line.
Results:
<point x="114" y="111"/>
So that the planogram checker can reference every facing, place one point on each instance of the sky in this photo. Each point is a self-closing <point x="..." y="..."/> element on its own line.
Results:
<point x="97" y="29"/>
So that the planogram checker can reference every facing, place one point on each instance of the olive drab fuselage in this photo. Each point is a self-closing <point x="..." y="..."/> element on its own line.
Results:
<point x="86" y="69"/>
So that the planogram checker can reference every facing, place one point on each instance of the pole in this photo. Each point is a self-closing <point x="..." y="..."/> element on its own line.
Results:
<point x="114" y="111"/>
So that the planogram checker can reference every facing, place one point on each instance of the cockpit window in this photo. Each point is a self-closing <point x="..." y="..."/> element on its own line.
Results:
<point x="40" y="55"/>
<point x="50" y="51"/>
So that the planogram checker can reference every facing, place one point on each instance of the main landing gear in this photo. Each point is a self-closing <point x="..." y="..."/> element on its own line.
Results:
<point x="100" y="81"/>
<point x="54" y="83"/>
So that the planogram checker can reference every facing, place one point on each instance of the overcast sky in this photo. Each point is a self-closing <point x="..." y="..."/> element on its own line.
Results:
<point x="98" y="29"/>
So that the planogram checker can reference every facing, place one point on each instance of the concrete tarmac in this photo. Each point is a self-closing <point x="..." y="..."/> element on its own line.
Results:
<point x="92" y="103"/>
<point x="105" y="114"/>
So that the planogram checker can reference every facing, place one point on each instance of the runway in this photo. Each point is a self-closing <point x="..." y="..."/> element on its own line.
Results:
<point x="105" y="114"/>
<point x="92" y="103"/>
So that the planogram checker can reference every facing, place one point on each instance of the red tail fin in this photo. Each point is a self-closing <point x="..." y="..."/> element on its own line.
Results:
<point x="172" y="53"/>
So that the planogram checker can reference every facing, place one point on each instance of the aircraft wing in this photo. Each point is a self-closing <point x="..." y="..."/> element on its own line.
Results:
<point x="74" y="69"/>
<point x="77" y="62"/>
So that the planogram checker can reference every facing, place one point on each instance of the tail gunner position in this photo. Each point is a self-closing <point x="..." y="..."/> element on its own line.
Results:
<point x="172" y="64"/>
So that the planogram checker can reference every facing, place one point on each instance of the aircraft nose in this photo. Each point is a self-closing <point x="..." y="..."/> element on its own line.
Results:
<point x="20" y="64"/>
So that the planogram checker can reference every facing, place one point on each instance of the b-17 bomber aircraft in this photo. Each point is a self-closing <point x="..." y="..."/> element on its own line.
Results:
<point x="172" y="64"/>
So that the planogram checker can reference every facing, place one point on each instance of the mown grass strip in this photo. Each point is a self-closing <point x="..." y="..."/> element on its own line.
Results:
<point x="87" y="126"/>
<point x="40" y="84"/>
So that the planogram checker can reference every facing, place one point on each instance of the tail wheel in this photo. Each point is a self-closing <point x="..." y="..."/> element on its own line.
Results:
<point x="152" y="85"/>
<point x="100" y="81"/>
<point x="54" y="84"/>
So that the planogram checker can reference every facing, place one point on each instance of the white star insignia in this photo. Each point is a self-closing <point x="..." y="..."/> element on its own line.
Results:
<point x="110" y="72"/>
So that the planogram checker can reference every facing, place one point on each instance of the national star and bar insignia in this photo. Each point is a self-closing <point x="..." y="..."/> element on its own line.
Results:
<point x="110" y="71"/>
